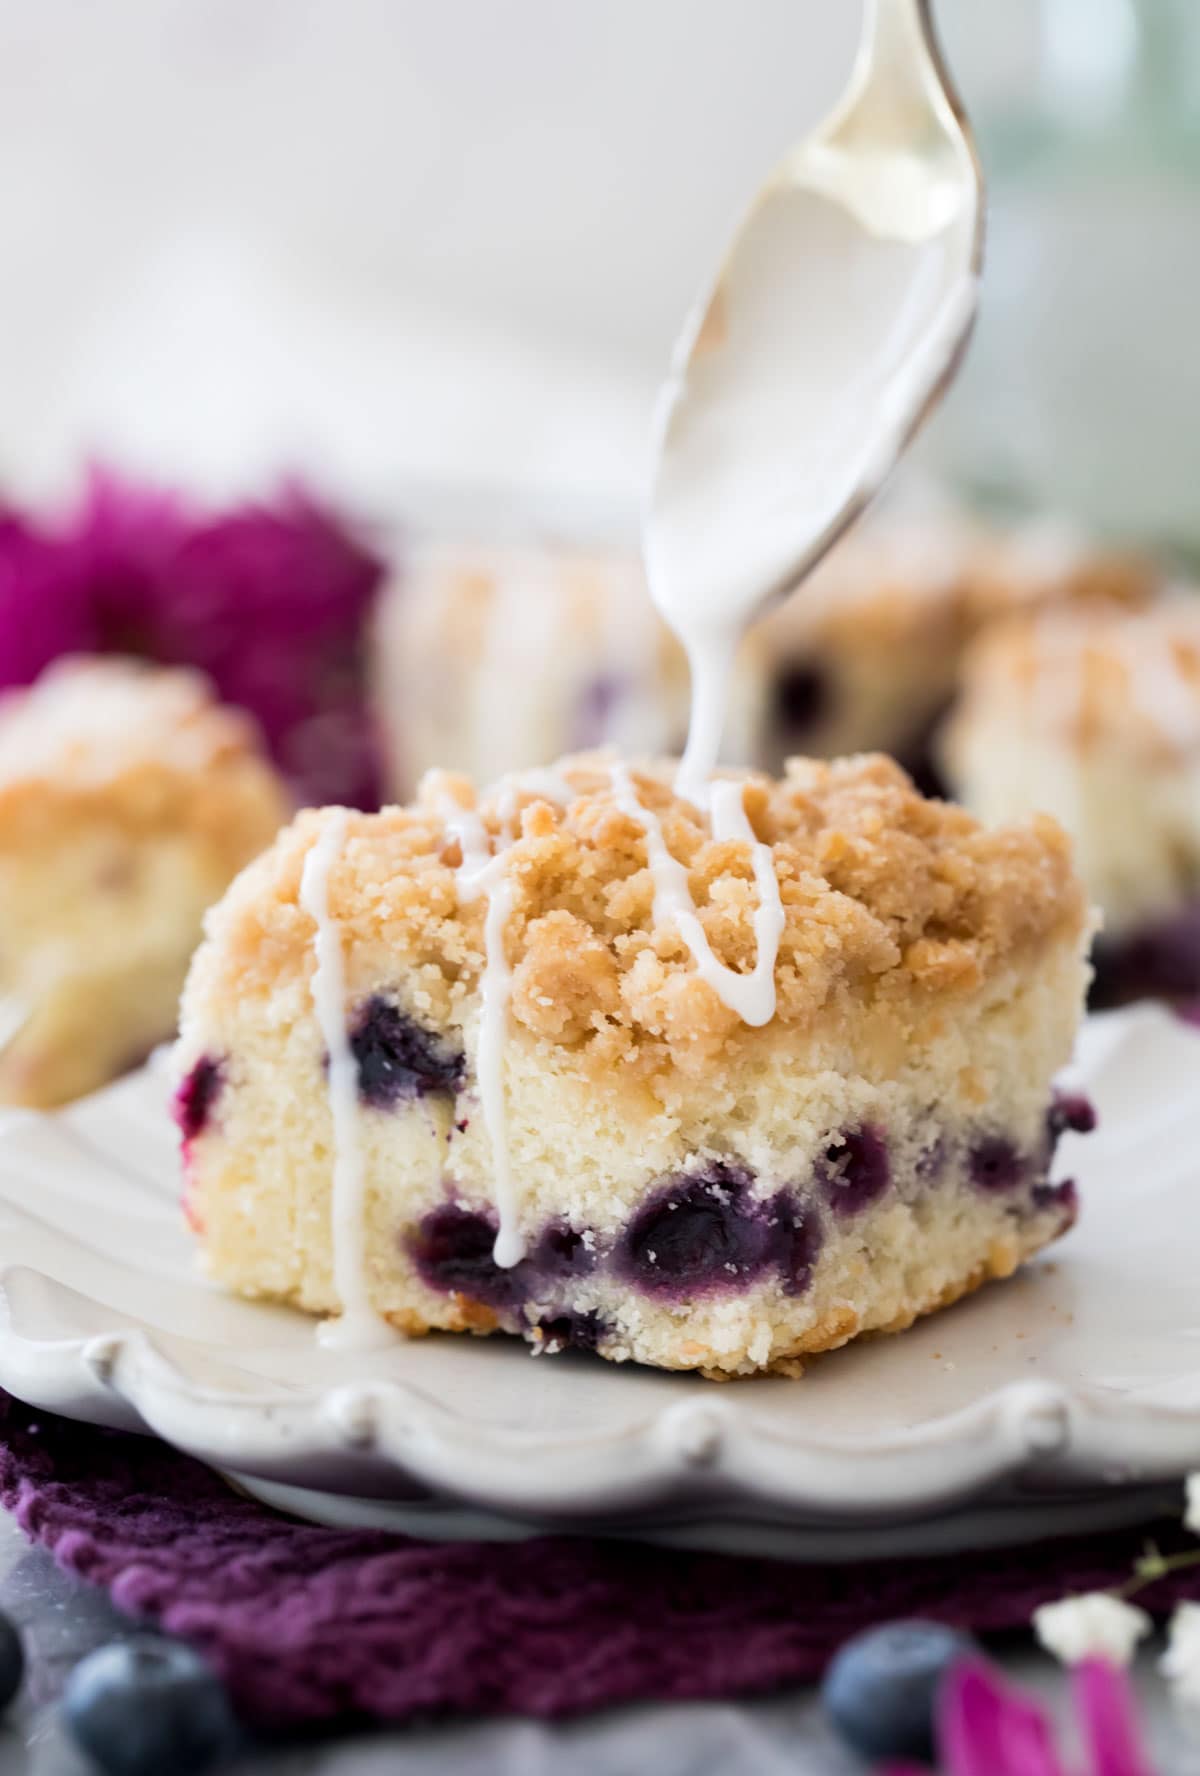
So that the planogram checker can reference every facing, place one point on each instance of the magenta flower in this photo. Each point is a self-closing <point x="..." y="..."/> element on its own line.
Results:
<point x="986" y="1727"/>
<point x="271" y="599"/>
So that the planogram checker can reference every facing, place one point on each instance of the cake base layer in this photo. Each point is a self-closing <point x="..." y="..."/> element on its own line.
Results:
<point x="773" y="1213"/>
<point x="540" y="1082"/>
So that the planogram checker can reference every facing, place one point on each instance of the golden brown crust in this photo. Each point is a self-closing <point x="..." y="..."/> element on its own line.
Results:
<point x="144" y="747"/>
<point x="1002" y="1261"/>
<point x="1095" y="677"/>
<point x="889" y="899"/>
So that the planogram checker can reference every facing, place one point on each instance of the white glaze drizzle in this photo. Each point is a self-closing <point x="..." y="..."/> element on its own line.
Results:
<point x="359" y="1326"/>
<point x="483" y="873"/>
<point x="751" y="996"/>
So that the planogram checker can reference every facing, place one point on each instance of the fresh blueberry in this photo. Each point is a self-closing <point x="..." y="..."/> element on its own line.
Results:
<point x="398" y="1059"/>
<point x="147" y="1706"/>
<point x="12" y="1661"/>
<point x="197" y="1094"/>
<point x="855" y="1170"/>
<point x="880" y="1690"/>
<point x="996" y="1164"/>
<point x="699" y="1231"/>
<point x="800" y="697"/>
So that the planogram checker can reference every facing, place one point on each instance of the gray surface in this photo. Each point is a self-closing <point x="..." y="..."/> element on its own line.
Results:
<point x="62" y="1620"/>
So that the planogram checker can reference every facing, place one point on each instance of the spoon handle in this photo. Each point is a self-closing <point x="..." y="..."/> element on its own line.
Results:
<point x="900" y="93"/>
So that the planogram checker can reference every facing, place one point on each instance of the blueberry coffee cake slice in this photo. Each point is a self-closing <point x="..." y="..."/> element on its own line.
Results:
<point x="576" y="1060"/>
<point x="1094" y="716"/>
<point x="461" y="624"/>
<point x="129" y="799"/>
<point x="870" y="657"/>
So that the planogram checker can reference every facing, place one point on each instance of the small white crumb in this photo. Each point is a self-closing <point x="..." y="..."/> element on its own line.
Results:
<point x="1096" y="1625"/>
<point x="1180" y="1664"/>
<point x="1191" y="1517"/>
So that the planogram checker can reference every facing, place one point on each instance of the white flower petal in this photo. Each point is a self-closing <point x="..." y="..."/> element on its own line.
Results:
<point x="1191" y="1516"/>
<point x="1180" y="1664"/>
<point x="1095" y="1626"/>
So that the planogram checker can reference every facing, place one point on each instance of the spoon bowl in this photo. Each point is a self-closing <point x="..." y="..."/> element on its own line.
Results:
<point x="835" y="322"/>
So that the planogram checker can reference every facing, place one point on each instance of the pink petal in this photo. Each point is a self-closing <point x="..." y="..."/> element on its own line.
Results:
<point x="987" y="1729"/>
<point x="1108" y="1720"/>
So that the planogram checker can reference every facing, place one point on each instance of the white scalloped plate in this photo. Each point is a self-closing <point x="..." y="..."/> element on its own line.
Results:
<point x="1080" y="1375"/>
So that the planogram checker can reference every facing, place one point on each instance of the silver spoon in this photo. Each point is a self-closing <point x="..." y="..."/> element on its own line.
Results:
<point x="835" y="322"/>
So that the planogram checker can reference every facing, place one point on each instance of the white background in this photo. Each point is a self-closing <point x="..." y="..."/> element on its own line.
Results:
<point x="394" y="242"/>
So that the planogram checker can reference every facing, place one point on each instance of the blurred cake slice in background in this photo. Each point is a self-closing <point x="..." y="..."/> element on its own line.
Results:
<point x="1093" y="715"/>
<point x="270" y="597"/>
<point x="866" y="655"/>
<point x="498" y="657"/>
<point x="129" y="798"/>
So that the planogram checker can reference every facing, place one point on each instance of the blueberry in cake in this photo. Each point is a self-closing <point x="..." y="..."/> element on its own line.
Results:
<point x="1095" y="717"/>
<point x="129" y="799"/>
<point x="577" y="1061"/>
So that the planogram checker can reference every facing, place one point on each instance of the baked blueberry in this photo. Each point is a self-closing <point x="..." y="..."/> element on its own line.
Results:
<point x="196" y="1096"/>
<point x="800" y="697"/>
<point x="564" y="1251"/>
<point x="855" y="1170"/>
<point x="795" y="1241"/>
<point x="453" y="1248"/>
<point x="701" y="1231"/>
<point x="880" y="1690"/>
<point x="147" y="1706"/>
<point x="572" y="1331"/>
<point x="598" y="702"/>
<point x="996" y="1165"/>
<point x="1070" y="1110"/>
<point x="398" y="1059"/>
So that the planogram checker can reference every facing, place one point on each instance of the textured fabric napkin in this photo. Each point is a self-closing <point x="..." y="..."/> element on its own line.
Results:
<point x="310" y="1624"/>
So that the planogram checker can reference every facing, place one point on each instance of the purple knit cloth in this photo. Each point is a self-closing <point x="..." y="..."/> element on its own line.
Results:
<point x="309" y="1624"/>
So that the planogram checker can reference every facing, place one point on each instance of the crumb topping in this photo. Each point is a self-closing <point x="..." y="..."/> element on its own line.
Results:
<point x="1097" y="678"/>
<point x="147" y="744"/>
<point x="885" y="895"/>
